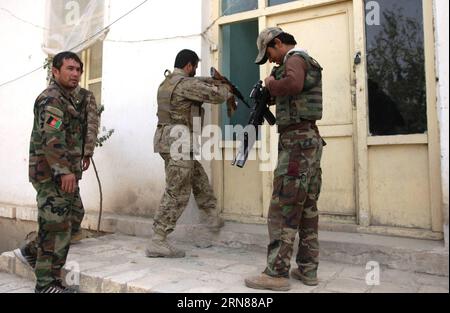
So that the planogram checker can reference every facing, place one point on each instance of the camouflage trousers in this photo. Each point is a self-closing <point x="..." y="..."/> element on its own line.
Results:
<point x="182" y="176"/>
<point x="293" y="208"/>
<point x="59" y="215"/>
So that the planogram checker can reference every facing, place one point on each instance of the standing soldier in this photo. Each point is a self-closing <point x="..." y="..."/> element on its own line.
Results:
<point x="56" y="164"/>
<point x="86" y="99"/>
<point x="180" y="99"/>
<point x="296" y="85"/>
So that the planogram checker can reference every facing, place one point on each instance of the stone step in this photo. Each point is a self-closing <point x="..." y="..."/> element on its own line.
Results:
<point x="422" y="256"/>
<point x="349" y="245"/>
<point x="10" y="283"/>
<point x="116" y="263"/>
<point x="417" y="255"/>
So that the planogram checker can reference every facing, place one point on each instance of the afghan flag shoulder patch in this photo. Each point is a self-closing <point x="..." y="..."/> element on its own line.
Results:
<point x="54" y="122"/>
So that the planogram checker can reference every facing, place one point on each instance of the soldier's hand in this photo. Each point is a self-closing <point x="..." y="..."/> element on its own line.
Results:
<point x="215" y="74"/>
<point x="268" y="80"/>
<point x="68" y="183"/>
<point x="231" y="106"/>
<point x="86" y="163"/>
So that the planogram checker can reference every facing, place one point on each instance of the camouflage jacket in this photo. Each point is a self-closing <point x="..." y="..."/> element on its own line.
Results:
<point x="57" y="138"/>
<point x="87" y="99"/>
<point x="185" y="96"/>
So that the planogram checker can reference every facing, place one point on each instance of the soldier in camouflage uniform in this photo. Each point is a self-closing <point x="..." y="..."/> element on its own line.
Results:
<point x="56" y="163"/>
<point x="180" y="99"/>
<point x="296" y="85"/>
<point x="86" y="100"/>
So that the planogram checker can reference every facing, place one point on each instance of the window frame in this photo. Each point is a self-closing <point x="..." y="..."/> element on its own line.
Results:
<point x="86" y="79"/>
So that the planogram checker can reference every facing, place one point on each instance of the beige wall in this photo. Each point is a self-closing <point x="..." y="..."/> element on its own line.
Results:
<point x="396" y="179"/>
<point x="441" y="12"/>
<point x="13" y="233"/>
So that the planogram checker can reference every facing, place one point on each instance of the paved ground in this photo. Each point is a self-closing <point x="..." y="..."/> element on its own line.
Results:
<point x="116" y="263"/>
<point x="10" y="283"/>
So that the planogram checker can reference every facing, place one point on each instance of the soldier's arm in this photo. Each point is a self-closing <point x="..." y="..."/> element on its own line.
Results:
<point x="292" y="83"/>
<point x="202" y="91"/>
<point x="93" y="121"/>
<point x="208" y="80"/>
<point x="54" y="137"/>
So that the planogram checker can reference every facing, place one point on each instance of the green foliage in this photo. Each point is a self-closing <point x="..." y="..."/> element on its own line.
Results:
<point x="47" y="63"/>
<point x="48" y="66"/>
<point x="100" y="109"/>
<point x="104" y="136"/>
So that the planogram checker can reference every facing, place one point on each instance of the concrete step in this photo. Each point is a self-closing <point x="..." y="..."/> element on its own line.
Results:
<point x="10" y="283"/>
<point x="116" y="263"/>
<point x="416" y="255"/>
<point x="350" y="245"/>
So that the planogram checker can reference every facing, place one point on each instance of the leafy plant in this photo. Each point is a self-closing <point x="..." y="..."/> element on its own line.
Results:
<point x="101" y="139"/>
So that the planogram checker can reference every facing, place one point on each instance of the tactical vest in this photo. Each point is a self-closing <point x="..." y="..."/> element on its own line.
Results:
<point x="164" y="98"/>
<point x="308" y="103"/>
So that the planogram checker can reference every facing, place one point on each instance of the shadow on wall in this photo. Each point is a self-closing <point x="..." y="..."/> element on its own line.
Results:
<point x="134" y="206"/>
<point x="141" y="202"/>
<point x="13" y="233"/>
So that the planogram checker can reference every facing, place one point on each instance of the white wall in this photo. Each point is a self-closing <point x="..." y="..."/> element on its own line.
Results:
<point x="132" y="175"/>
<point x="441" y="28"/>
<point x="20" y="53"/>
<point x="133" y="66"/>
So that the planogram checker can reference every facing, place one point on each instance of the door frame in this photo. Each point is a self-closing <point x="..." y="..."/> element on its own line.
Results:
<point x="362" y="140"/>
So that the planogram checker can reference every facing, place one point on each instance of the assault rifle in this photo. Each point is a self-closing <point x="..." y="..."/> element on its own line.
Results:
<point x="259" y="112"/>
<point x="216" y="75"/>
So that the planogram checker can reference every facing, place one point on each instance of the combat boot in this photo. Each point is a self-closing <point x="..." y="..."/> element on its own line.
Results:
<point x="55" y="287"/>
<point x="25" y="256"/>
<point x="159" y="247"/>
<point x="76" y="237"/>
<point x="212" y="221"/>
<point x="264" y="281"/>
<point x="308" y="278"/>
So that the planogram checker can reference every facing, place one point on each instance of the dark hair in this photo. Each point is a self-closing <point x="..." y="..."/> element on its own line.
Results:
<point x="285" y="38"/>
<point x="184" y="57"/>
<point x="58" y="60"/>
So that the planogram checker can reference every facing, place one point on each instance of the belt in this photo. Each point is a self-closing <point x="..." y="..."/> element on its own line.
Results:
<point x="302" y="125"/>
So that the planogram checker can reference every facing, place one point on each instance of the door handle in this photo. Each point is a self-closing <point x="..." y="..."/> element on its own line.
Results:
<point x="357" y="58"/>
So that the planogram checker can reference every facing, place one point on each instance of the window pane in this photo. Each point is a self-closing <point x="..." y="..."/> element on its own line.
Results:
<point x="236" y="6"/>
<point x="97" y="91"/>
<point x="275" y="2"/>
<point x="238" y="64"/>
<point x="396" y="67"/>
<point x="95" y="61"/>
